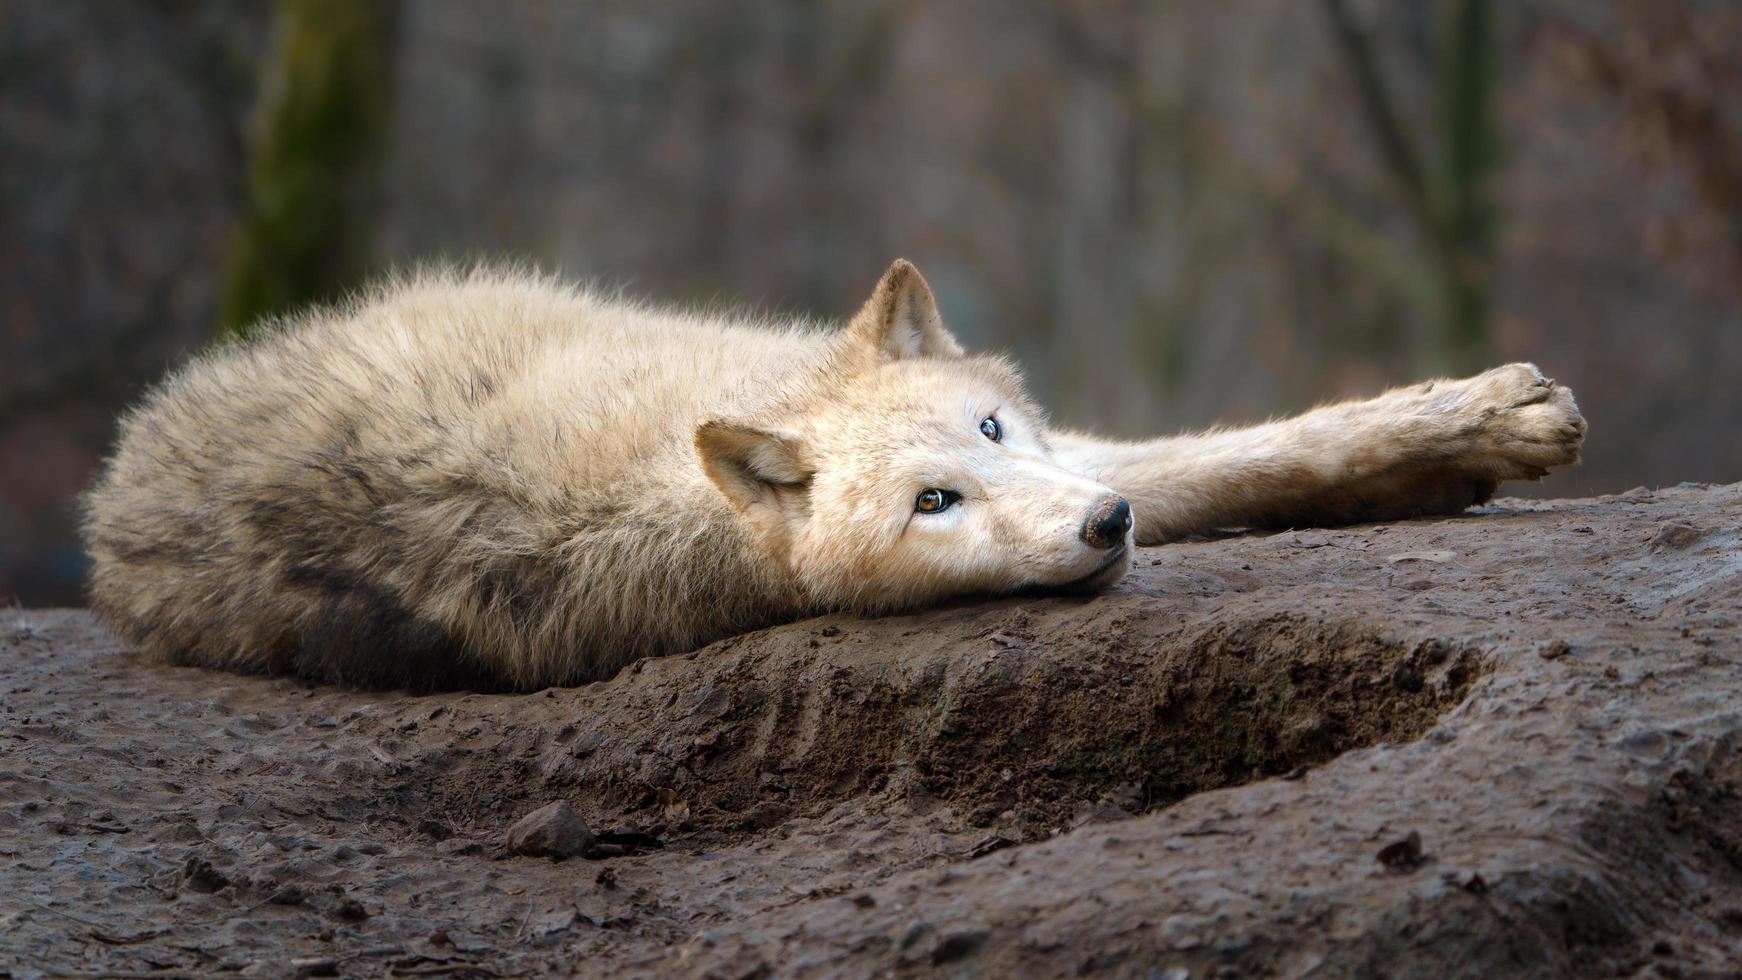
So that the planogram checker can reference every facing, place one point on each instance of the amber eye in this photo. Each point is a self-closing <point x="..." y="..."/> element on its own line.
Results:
<point x="990" y="428"/>
<point x="932" y="500"/>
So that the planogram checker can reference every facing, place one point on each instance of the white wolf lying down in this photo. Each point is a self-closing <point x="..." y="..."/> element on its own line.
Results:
<point x="492" y="480"/>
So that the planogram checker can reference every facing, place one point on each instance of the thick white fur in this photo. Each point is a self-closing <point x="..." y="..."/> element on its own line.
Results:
<point x="490" y="479"/>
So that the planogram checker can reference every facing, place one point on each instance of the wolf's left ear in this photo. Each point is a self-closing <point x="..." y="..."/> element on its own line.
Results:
<point x="755" y="468"/>
<point x="901" y="319"/>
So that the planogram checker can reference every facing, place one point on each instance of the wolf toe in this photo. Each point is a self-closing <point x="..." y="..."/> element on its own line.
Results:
<point x="1511" y="386"/>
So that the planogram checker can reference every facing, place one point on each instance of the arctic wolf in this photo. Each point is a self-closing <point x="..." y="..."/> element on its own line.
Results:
<point x="492" y="480"/>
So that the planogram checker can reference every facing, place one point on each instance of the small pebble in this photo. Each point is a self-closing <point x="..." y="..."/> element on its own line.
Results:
<point x="554" y="830"/>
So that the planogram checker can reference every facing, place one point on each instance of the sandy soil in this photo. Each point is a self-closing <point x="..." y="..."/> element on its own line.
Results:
<point x="1196" y="773"/>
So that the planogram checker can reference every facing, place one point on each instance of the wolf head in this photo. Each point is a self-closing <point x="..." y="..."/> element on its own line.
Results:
<point x="904" y="472"/>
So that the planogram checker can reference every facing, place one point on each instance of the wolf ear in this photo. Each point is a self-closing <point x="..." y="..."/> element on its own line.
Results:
<point x="901" y="319"/>
<point x="760" y="471"/>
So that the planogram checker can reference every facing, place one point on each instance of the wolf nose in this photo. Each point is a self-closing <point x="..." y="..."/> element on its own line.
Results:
<point x="1106" y="525"/>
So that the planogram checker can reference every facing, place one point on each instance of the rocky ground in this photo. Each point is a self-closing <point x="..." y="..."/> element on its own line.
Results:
<point x="1508" y="744"/>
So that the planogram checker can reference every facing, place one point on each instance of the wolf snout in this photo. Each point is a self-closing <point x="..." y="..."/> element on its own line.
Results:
<point x="1107" y="524"/>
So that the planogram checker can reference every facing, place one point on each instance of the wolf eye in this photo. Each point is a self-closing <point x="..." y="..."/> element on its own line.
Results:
<point x="934" y="501"/>
<point x="990" y="428"/>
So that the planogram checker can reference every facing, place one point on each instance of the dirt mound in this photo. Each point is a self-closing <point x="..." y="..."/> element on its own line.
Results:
<point x="1019" y="723"/>
<point x="1197" y="771"/>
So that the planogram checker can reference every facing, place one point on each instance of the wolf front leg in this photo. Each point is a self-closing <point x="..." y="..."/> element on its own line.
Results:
<point x="1431" y="448"/>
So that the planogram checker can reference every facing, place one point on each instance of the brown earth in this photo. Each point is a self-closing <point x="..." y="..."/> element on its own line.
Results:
<point x="1192" y="776"/>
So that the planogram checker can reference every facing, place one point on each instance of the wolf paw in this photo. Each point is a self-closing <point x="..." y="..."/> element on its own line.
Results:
<point x="1525" y="422"/>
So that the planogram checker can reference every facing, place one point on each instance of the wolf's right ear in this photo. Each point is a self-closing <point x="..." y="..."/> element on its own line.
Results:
<point x="761" y="471"/>
<point x="901" y="319"/>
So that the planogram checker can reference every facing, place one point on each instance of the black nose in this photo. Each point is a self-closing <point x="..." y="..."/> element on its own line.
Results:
<point x="1106" y="525"/>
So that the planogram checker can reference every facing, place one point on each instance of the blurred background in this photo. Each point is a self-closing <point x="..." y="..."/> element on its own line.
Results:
<point x="1173" y="213"/>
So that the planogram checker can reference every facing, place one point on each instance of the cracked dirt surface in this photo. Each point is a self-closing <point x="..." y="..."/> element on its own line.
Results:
<point x="1195" y="772"/>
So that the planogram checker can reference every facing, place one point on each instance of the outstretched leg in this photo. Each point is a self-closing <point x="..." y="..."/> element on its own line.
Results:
<point x="1431" y="448"/>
